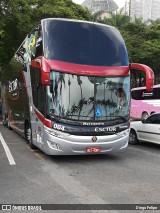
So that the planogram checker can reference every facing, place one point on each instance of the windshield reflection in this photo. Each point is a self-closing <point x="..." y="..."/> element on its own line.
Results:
<point x="88" y="98"/>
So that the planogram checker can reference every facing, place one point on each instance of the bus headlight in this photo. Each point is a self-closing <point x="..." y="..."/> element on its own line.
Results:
<point x="49" y="130"/>
<point x="55" y="133"/>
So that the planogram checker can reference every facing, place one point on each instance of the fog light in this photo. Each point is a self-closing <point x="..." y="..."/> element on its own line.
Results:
<point x="54" y="145"/>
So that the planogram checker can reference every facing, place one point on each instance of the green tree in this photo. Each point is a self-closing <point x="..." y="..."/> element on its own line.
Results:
<point x="18" y="17"/>
<point x="143" y="44"/>
<point x="142" y="41"/>
<point x="119" y="19"/>
<point x="16" y="21"/>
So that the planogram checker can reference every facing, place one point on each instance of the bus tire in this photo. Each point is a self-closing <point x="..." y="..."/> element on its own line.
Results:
<point x="5" y="123"/>
<point x="145" y="115"/>
<point x="8" y="125"/>
<point x="133" y="137"/>
<point x="28" y="135"/>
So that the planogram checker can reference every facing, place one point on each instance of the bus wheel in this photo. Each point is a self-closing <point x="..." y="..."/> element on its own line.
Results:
<point x="8" y="125"/>
<point x="29" y="136"/>
<point x="144" y="115"/>
<point x="5" y="123"/>
<point x="133" y="137"/>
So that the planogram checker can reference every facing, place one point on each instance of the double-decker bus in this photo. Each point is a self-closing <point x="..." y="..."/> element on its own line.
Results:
<point x="144" y="103"/>
<point x="69" y="88"/>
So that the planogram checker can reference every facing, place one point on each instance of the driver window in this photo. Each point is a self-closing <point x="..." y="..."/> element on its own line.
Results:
<point x="35" y="47"/>
<point x="154" y="119"/>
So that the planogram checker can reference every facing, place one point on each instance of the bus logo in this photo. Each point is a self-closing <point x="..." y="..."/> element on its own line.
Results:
<point x="94" y="139"/>
<point x="13" y="85"/>
<point x="13" y="89"/>
<point x="144" y="94"/>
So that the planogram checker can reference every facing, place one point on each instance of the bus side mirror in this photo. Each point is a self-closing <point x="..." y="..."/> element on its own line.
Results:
<point x="45" y="72"/>
<point x="149" y="74"/>
<point x="42" y="63"/>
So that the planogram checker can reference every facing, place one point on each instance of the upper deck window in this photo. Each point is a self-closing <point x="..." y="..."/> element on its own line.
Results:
<point x="83" y="43"/>
<point x="142" y="94"/>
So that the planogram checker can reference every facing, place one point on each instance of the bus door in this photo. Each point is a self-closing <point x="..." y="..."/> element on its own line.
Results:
<point x="32" y="120"/>
<point x="37" y="99"/>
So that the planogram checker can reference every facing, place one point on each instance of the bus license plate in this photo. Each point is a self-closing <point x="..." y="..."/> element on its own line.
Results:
<point x="93" y="149"/>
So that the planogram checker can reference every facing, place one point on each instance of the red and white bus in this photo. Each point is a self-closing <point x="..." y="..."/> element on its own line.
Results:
<point x="69" y="88"/>
<point x="144" y="103"/>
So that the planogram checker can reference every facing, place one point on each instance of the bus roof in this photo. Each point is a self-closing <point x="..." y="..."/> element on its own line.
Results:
<point x="77" y="20"/>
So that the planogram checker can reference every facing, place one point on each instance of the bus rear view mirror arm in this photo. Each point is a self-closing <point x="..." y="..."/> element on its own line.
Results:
<point x="45" y="70"/>
<point x="149" y="74"/>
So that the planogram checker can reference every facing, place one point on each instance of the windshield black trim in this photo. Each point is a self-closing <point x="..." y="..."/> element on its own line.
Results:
<point x="116" y="121"/>
<point x="97" y="130"/>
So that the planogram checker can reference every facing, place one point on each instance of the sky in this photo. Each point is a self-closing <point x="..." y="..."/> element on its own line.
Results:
<point x="120" y="3"/>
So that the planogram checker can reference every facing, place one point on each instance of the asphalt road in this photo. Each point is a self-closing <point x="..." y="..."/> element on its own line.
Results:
<point x="132" y="177"/>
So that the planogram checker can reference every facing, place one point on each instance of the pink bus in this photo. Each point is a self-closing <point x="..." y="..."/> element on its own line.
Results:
<point x="144" y="103"/>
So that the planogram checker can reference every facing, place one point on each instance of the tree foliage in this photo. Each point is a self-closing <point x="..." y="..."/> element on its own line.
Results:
<point x="18" y="17"/>
<point x="142" y="41"/>
<point x="143" y="44"/>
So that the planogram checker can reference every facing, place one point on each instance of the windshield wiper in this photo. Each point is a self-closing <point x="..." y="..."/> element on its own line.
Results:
<point x="51" y="114"/>
<point x="80" y="116"/>
<point x="111" y="116"/>
<point x="68" y="116"/>
<point x="122" y="117"/>
<point x="86" y="116"/>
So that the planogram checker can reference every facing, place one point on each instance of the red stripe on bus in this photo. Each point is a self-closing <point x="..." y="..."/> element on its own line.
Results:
<point x="45" y="121"/>
<point x="88" y="70"/>
<point x="81" y="69"/>
<point x="36" y="64"/>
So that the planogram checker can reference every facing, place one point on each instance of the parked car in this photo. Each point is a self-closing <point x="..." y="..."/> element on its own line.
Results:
<point x="146" y="130"/>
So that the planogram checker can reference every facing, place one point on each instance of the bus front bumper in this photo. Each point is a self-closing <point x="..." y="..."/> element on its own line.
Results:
<point x="59" y="143"/>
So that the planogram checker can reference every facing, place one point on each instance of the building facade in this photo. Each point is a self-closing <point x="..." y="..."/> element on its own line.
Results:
<point x="95" y="6"/>
<point x="145" y="9"/>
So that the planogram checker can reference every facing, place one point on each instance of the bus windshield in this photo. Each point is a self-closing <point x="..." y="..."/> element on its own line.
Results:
<point x="84" y="43"/>
<point x="88" y="98"/>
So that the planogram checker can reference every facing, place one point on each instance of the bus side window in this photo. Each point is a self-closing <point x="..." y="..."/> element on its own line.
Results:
<point x="38" y="90"/>
<point x="39" y="48"/>
<point x="137" y="94"/>
<point x="38" y="51"/>
<point x="41" y="98"/>
<point x="35" y="48"/>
